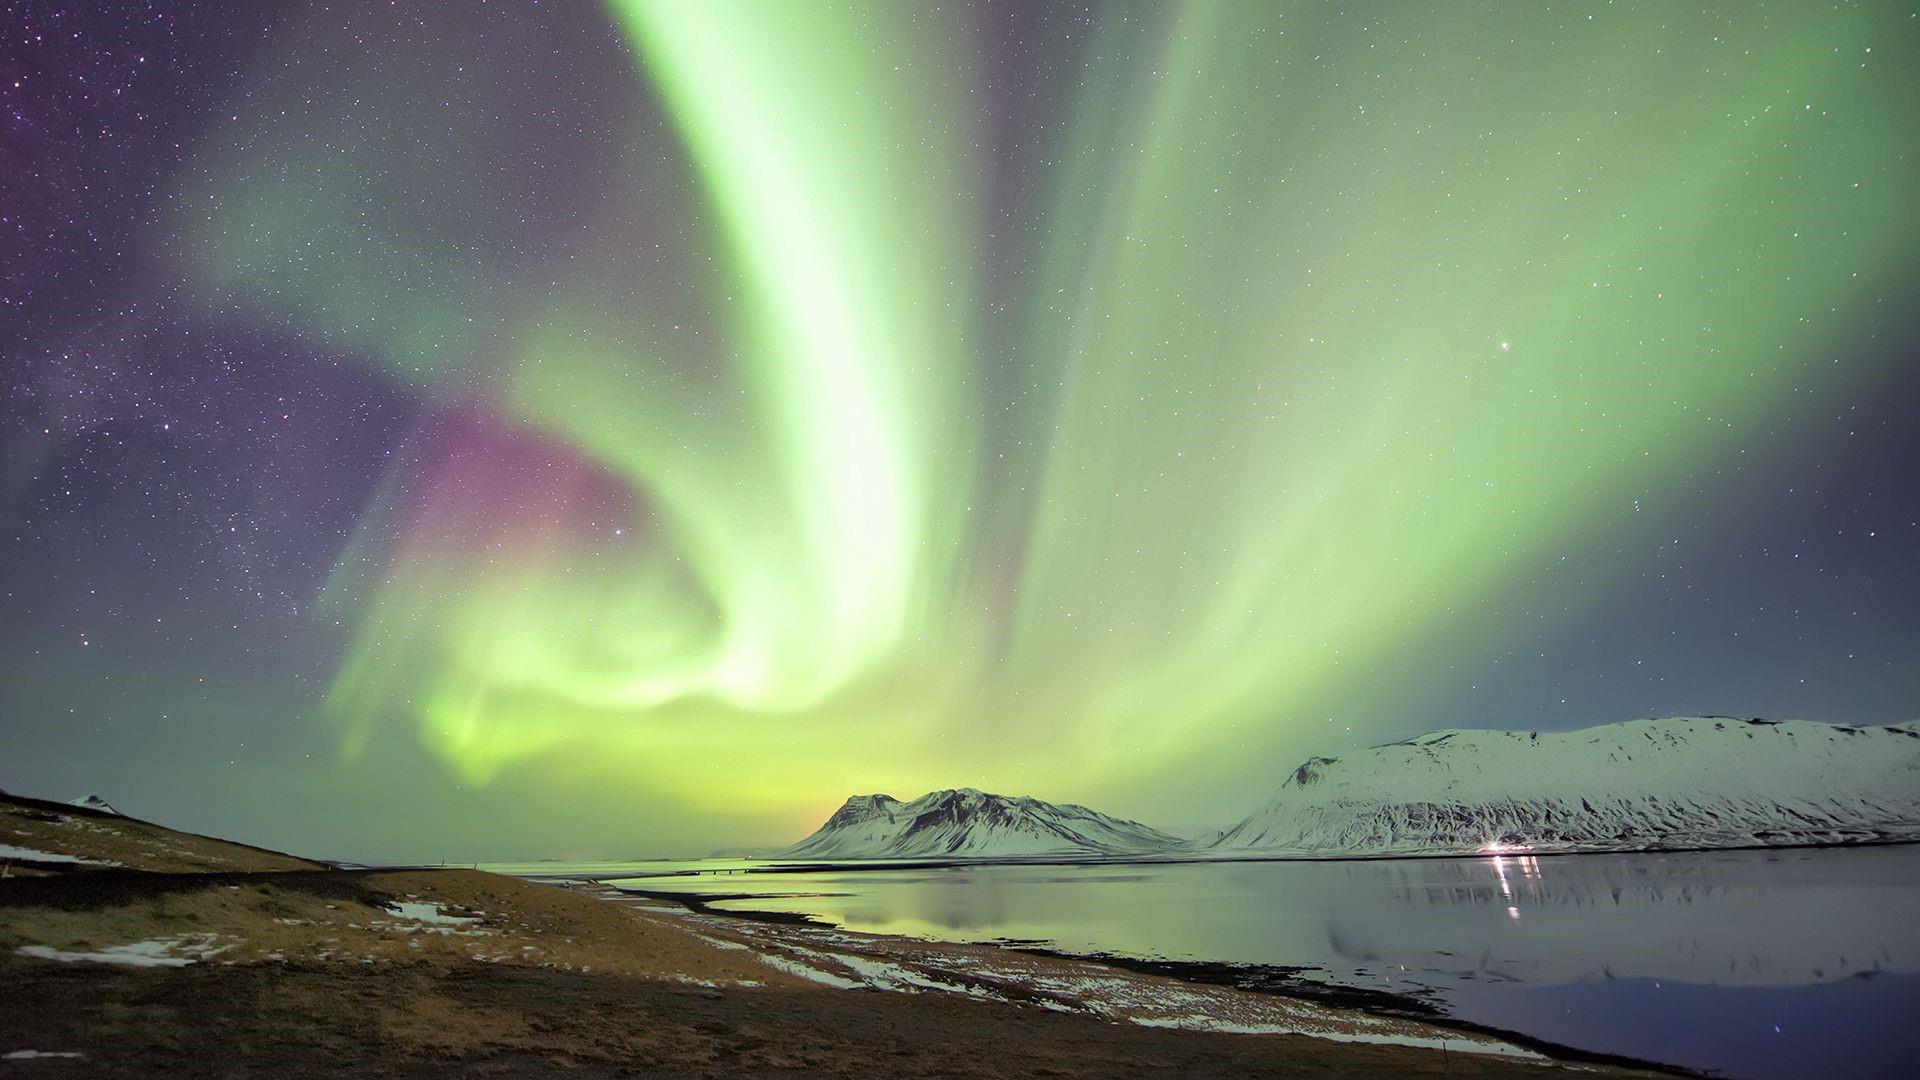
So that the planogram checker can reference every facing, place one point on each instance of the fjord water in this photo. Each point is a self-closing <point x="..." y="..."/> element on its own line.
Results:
<point x="1763" y="964"/>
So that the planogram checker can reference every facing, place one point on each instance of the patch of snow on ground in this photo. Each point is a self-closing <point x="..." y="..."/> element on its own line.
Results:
<point x="158" y="952"/>
<point x="430" y="913"/>
<point x="9" y="851"/>
<point x="1463" y="1044"/>
<point x="794" y="967"/>
<point x="885" y="976"/>
<point x="1456" y="1044"/>
<point x="29" y="1055"/>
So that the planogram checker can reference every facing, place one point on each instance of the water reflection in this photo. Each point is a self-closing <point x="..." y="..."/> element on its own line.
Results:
<point x="1676" y="957"/>
<point x="1728" y="918"/>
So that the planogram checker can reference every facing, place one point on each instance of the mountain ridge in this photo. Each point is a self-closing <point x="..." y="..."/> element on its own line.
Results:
<point x="970" y="823"/>
<point x="93" y="802"/>
<point x="1662" y="783"/>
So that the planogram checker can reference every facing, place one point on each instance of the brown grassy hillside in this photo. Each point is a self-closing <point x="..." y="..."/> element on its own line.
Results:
<point x="101" y="840"/>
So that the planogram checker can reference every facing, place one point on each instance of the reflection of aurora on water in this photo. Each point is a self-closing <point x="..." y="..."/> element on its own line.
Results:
<point x="1709" y="918"/>
<point x="1687" y="957"/>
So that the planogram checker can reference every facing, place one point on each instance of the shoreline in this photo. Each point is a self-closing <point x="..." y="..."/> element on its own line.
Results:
<point x="444" y="973"/>
<point x="156" y="952"/>
<point x="1251" y="978"/>
<point x="1275" y="981"/>
<point x="954" y="862"/>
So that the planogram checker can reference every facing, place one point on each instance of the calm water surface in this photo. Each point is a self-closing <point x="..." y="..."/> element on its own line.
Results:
<point x="1752" y="964"/>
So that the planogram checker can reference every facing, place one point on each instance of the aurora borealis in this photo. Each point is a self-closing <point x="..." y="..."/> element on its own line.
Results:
<point x="589" y="430"/>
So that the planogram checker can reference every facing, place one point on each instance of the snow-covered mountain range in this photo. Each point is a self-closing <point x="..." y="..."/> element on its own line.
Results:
<point x="1696" y="782"/>
<point x="972" y="824"/>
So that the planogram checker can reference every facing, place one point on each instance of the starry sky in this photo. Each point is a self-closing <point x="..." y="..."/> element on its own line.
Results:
<point x="504" y="430"/>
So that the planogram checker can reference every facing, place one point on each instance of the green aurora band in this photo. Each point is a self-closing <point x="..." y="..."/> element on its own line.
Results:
<point x="828" y="472"/>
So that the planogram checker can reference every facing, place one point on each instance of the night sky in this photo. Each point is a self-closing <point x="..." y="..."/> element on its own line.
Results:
<point x="512" y="429"/>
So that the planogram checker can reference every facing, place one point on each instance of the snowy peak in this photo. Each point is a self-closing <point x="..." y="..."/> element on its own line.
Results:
<point x="93" y="802"/>
<point x="1710" y="781"/>
<point x="970" y="823"/>
<point x="859" y="806"/>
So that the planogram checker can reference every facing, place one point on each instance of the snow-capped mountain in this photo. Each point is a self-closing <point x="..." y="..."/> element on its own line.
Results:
<point x="93" y="802"/>
<point x="1694" y="782"/>
<point x="972" y="824"/>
